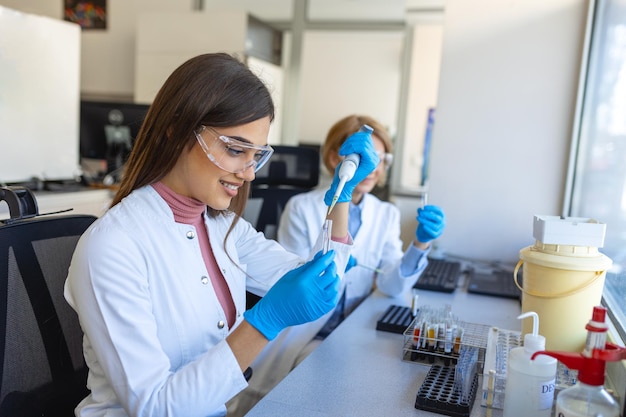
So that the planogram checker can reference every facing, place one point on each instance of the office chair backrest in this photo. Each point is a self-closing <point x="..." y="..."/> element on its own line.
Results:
<point x="43" y="369"/>
<point x="265" y="206"/>
<point x="292" y="170"/>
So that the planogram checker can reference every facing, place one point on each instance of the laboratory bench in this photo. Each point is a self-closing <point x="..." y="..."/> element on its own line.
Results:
<point x="360" y="371"/>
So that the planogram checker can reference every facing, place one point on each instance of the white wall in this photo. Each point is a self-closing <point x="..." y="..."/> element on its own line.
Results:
<point x="347" y="72"/>
<point x="504" y="119"/>
<point x="350" y="62"/>
<point x="166" y="40"/>
<point x="107" y="56"/>
<point x="504" y="109"/>
<point x="422" y="96"/>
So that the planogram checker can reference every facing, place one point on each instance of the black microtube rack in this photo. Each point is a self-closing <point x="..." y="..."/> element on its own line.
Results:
<point x="396" y="319"/>
<point x="437" y="393"/>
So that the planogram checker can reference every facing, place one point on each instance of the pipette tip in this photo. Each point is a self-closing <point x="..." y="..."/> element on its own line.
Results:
<point x="332" y="205"/>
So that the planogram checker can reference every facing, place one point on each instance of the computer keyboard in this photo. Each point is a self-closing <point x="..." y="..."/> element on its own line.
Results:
<point x="439" y="275"/>
<point x="498" y="283"/>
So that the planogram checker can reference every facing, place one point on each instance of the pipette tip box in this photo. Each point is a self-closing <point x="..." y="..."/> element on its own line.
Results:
<point x="574" y="231"/>
<point x="396" y="319"/>
<point x="437" y="393"/>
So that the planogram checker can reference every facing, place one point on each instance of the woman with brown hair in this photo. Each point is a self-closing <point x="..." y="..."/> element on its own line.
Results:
<point x="159" y="280"/>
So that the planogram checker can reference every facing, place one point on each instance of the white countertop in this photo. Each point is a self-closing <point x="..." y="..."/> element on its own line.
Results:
<point x="359" y="371"/>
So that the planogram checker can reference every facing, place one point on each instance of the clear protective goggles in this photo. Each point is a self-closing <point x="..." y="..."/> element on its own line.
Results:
<point x="233" y="155"/>
<point x="385" y="158"/>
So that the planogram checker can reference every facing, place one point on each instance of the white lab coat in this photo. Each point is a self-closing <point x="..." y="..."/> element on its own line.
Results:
<point x="154" y="329"/>
<point x="377" y="244"/>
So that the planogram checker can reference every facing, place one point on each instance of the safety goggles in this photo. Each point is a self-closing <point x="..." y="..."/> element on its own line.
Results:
<point x="385" y="158"/>
<point x="233" y="155"/>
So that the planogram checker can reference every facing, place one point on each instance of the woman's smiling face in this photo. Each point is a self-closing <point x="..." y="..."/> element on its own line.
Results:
<point x="195" y="175"/>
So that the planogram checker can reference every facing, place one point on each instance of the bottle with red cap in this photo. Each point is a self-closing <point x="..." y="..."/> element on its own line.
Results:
<point x="588" y="397"/>
<point x="596" y="331"/>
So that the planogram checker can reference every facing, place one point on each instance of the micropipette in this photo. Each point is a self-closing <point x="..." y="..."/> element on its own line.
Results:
<point x="347" y="169"/>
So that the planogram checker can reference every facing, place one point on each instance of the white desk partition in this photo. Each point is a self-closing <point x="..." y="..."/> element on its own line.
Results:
<point x="39" y="97"/>
<point x="359" y="371"/>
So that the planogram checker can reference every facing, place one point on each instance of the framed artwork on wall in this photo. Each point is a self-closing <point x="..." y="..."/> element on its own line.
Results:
<point x="89" y="14"/>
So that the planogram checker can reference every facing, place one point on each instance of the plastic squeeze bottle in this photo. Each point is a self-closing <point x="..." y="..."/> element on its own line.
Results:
<point x="588" y="397"/>
<point x="529" y="389"/>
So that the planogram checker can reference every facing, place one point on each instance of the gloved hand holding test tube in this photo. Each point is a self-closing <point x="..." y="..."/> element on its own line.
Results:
<point x="347" y="169"/>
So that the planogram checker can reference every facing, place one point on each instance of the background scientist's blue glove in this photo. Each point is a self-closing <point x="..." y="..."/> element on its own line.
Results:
<point x="351" y="263"/>
<point x="432" y="221"/>
<point x="359" y="143"/>
<point x="301" y="295"/>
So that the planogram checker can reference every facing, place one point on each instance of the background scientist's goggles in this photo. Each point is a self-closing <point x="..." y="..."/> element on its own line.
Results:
<point x="385" y="158"/>
<point x="231" y="154"/>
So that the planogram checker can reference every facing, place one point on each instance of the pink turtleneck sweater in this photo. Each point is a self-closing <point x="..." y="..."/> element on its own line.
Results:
<point x="190" y="211"/>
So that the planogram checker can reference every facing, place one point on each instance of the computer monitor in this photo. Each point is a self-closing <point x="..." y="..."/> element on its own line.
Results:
<point x="108" y="130"/>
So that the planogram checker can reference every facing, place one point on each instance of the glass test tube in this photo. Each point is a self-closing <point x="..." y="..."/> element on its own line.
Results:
<point x="327" y="232"/>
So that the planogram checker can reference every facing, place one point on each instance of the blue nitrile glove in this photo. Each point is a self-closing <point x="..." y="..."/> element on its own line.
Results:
<point x="431" y="221"/>
<point x="351" y="263"/>
<point x="301" y="295"/>
<point x="359" y="143"/>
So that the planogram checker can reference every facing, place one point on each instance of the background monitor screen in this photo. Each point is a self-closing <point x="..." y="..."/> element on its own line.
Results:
<point x="107" y="124"/>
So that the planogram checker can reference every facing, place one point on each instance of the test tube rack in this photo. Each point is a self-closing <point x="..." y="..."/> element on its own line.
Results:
<point x="432" y="351"/>
<point x="499" y="344"/>
<point x="452" y="383"/>
<point x="437" y="393"/>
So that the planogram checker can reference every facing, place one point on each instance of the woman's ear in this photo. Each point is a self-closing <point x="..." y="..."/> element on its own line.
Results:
<point x="334" y="160"/>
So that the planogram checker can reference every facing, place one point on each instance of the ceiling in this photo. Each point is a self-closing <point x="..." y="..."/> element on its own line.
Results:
<point x="331" y="10"/>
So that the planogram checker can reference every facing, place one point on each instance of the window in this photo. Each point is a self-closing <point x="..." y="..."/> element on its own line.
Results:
<point x="598" y="165"/>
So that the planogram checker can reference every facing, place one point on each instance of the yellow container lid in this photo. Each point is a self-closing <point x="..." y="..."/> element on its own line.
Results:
<point x="577" y="258"/>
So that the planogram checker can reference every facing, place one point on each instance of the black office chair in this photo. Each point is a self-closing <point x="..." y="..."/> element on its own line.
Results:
<point x="292" y="170"/>
<point x="43" y="369"/>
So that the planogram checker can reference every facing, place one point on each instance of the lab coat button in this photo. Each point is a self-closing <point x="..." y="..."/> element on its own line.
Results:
<point x="204" y="280"/>
<point x="220" y="324"/>
<point x="191" y="234"/>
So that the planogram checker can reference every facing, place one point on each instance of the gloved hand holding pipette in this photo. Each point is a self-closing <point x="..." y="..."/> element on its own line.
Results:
<point x="360" y="160"/>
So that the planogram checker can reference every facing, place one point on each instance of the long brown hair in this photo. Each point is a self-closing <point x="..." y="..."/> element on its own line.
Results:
<point x="211" y="89"/>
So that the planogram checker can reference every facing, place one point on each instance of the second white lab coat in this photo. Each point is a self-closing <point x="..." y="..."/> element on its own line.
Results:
<point x="377" y="243"/>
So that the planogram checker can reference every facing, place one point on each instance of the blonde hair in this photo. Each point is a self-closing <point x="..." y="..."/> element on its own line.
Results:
<point x="340" y="131"/>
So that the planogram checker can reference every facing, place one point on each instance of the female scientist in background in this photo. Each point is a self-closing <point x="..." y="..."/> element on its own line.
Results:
<point x="159" y="280"/>
<point x="373" y="224"/>
<point x="375" y="228"/>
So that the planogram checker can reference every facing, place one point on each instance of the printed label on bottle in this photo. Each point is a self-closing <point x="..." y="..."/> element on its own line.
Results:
<point x="546" y="396"/>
